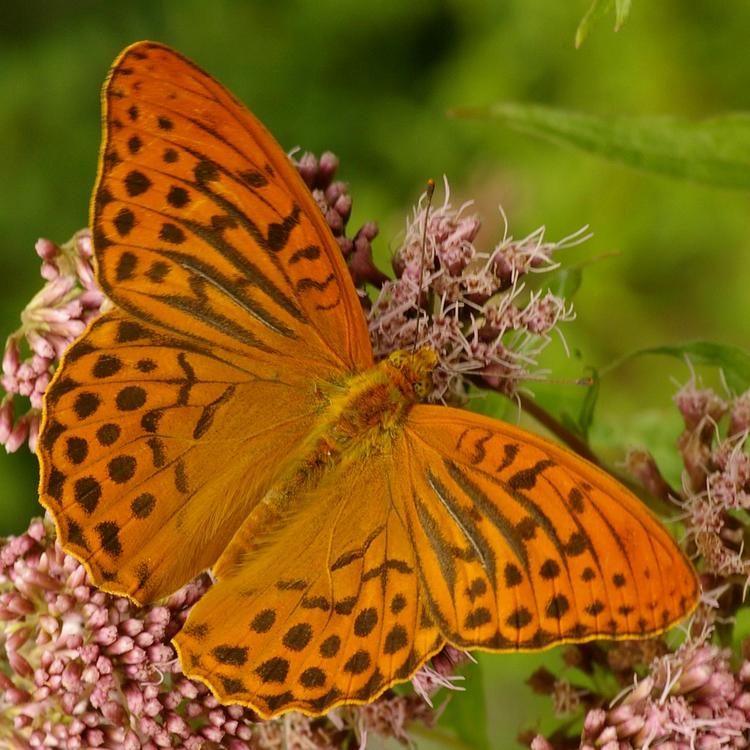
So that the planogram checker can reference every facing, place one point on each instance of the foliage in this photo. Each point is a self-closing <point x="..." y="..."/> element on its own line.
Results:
<point x="597" y="10"/>
<point x="714" y="151"/>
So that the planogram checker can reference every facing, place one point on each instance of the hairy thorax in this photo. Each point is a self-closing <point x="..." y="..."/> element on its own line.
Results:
<point x="365" y="414"/>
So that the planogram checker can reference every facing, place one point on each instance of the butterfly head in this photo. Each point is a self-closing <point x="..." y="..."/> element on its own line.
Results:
<point x="414" y="371"/>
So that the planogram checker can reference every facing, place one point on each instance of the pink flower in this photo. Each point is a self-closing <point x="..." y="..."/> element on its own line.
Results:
<point x="335" y="203"/>
<point x="717" y="484"/>
<point x="691" y="698"/>
<point x="469" y="305"/>
<point x="81" y="668"/>
<point x="51" y="321"/>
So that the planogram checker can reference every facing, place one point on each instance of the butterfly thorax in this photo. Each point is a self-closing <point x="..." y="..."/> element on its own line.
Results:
<point x="363" y="415"/>
<point x="359" y="419"/>
<point x="371" y="407"/>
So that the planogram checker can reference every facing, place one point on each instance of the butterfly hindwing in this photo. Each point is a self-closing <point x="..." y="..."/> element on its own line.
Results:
<point x="203" y="226"/>
<point x="320" y="607"/>
<point x="522" y="545"/>
<point x="154" y="451"/>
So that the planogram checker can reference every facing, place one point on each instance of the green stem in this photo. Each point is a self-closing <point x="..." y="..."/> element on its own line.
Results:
<point x="556" y="428"/>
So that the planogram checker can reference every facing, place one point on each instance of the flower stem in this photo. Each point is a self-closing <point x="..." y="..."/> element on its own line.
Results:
<point x="556" y="428"/>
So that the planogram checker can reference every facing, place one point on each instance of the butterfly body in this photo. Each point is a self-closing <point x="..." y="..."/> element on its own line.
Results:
<point x="374" y="404"/>
<point x="359" y="420"/>
<point x="228" y="414"/>
<point x="360" y="416"/>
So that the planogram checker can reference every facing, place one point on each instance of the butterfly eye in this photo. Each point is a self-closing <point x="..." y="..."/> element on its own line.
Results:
<point x="397" y="358"/>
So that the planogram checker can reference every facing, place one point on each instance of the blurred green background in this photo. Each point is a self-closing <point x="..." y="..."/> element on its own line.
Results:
<point x="372" y="82"/>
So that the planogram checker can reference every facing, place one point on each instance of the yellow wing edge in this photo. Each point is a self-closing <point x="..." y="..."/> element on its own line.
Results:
<point x="225" y="700"/>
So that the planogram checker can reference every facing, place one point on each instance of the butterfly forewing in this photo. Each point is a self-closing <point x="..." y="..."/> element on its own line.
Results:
<point x="233" y="300"/>
<point x="522" y="545"/>
<point x="204" y="227"/>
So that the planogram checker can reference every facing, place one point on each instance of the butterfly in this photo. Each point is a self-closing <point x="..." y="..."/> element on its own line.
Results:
<point x="228" y="414"/>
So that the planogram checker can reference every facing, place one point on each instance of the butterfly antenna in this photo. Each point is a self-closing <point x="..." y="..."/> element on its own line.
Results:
<point x="429" y="193"/>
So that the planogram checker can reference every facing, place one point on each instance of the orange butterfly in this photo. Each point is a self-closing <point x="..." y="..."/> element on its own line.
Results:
<point x="228" y="414"/>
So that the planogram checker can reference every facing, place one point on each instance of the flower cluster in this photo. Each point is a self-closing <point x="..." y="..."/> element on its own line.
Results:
<point x="471" y="306"/>
<point x="335" y="202"/>
<point x="717" y="479"/>
<point x="694" y="696"/>
<point x="49" y="324"/>
<point x="80" y="668"/>
<point x="691" y="698"/>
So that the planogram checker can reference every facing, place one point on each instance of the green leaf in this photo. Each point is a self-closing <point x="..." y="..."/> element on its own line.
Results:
<point x="734" y="362"/>
<point x="586" y="414"/>
<point x="596" y="10"/>
<point x="565" y="282"/>
<point x="622" y="11"/>
<point x="580" y="424"/>
<point x="466" y="714"/>
<point x="715" y="151"/>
